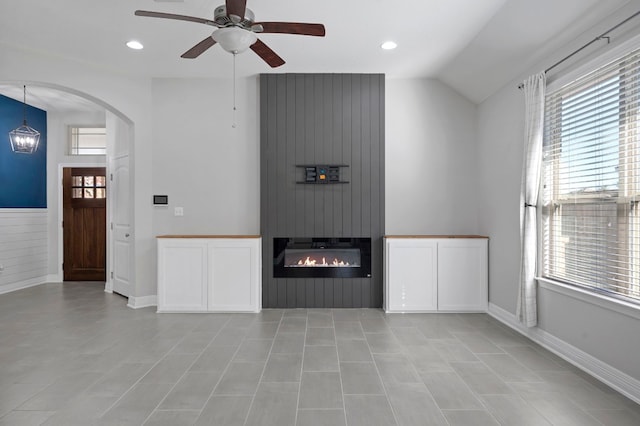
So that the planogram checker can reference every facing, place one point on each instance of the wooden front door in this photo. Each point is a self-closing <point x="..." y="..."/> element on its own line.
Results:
<point x="85" y="223"/>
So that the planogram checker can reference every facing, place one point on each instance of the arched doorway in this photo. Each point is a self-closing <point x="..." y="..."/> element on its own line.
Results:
<point x="66" y="106"/>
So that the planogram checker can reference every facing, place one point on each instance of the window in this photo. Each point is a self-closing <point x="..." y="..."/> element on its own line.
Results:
<point x="591" y="181"/>
<point x="87" y="140"/>
<point x="88" y="187"/>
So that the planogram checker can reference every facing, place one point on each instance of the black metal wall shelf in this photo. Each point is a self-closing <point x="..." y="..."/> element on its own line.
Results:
<point x="316" y="174"/>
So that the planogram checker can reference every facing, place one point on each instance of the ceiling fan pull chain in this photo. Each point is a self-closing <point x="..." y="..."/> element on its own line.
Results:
<point x="234" y="91"/>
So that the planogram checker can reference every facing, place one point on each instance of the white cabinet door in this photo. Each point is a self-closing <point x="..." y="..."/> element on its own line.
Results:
<point x="234" y="275"/>
<point x="182" y="275"/>
<point x="462" y="275"/>
<point x="411" y="280"/>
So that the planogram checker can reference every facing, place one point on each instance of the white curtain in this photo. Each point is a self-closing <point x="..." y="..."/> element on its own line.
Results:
<point x="534" y="92"/>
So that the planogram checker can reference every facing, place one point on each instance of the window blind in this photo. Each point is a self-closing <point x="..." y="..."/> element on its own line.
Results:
<point x="591" y="181"/>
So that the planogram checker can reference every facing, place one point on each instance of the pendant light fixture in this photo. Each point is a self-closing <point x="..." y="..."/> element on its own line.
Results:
<point x="24" y="139"/>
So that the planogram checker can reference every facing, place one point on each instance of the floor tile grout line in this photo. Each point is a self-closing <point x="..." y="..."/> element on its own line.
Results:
<point x="224" y="371"/>
<point x="478" y="396"/>
<point x="415" y="370"/>
<point x="273" y="341"/>
<point x="186" y="371"/>
<point x="344" y="403"/>
<point x="86" y="388"/>
<point x="375" y="364"/>
<point x="304" y="348"/>
<point x="138" y="381"/>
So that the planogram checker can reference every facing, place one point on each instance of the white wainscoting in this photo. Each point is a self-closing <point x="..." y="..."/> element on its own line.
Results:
<point x="23" y="248"/>
<point x="613" y="377"/>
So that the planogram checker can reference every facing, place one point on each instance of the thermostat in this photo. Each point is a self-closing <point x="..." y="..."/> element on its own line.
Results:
<point x="160" y="200"/>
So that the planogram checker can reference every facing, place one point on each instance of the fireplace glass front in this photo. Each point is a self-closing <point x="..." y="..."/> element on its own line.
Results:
<point x="322" y="257"/>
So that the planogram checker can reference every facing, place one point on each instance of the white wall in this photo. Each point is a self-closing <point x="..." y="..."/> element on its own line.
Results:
<point x="201" y="162"/>
<point x="610" y="339"/>
<point x="500" y="143"/>
<point x="212" y="170"/>
<point x="430" y="159"/>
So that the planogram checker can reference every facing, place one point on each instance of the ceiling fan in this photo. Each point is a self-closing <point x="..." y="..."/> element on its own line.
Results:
<point x="236" y="31"/>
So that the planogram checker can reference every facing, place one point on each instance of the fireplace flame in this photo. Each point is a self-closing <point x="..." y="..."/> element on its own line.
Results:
<point x="313" y="262"/>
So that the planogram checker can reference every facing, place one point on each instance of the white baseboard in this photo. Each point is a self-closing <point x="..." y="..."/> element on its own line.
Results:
<point x="142" y="302"/>
<point x="623" y="383"/>
<point x="32" y="282"/>
<point x="54" y="278"/>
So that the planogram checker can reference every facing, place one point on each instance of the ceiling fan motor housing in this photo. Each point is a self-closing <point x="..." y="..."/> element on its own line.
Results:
<point x="222" y="19"/>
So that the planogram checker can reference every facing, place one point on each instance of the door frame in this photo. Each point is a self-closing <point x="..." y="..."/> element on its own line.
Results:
<point x="62" y="166"/>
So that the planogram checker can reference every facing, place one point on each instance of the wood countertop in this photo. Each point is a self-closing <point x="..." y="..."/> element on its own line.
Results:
<point x="436" y="236"/>
<point x="209" y="236"/>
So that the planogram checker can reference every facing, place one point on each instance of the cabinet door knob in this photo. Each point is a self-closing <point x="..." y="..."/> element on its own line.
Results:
<point x="126" y="235"/>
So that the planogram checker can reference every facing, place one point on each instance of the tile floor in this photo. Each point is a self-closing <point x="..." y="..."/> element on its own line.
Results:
<point x="73" y="355"/>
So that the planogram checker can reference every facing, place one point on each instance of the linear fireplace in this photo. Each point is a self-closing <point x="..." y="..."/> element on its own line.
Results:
<point x="321" y="257"/>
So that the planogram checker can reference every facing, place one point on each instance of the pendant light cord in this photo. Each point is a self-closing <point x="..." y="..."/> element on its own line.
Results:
<point x="234" y="91"/>
<point x="24" y="105"/>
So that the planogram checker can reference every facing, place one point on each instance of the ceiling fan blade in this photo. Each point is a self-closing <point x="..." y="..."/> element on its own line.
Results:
<point x="199" y="48"/>
<point x="151" y="14"/>
<point x="292" y="28"/>
<point x="268" y="55"/>
<point x="236" y="8"/>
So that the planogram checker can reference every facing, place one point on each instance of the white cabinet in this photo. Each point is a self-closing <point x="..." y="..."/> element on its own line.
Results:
<point x="462" y="275"/>
<point x="411" y="275"/>
<point x="209" y="274"/>
<point x="182" y="275"/>
<point x="428" y="274"/>
<point x="234" y="275"/>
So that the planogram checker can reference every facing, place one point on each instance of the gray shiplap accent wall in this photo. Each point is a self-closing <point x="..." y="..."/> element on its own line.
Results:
<point x="322" y="119"/>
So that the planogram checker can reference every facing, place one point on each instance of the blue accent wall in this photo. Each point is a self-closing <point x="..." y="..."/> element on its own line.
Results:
<point x="23" y="177"/>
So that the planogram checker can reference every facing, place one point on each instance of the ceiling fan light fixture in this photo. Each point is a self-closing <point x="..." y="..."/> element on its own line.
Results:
<point x="389" y="45"/>
<point x="24" y="139"/>
<point x="234" y="39"/>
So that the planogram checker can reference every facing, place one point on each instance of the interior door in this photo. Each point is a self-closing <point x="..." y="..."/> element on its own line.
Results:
<point x="121" y="225"/>
<point x="84" y="192"/>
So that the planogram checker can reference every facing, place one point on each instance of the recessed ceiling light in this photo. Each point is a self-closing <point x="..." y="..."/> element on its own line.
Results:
<point x="389" y="45"/>
<point x="133" y="44"/>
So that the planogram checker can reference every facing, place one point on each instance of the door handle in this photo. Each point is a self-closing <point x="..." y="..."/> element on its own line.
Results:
<point x="126" y="235"/>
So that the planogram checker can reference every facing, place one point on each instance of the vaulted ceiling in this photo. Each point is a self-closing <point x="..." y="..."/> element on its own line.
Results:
<point x="474" y="46"/>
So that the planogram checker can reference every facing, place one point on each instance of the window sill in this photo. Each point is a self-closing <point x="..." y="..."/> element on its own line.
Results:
<point x="609" y="303"/>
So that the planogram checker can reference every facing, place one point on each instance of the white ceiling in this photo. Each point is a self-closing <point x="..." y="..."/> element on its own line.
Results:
<point x="475" y="46"/>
